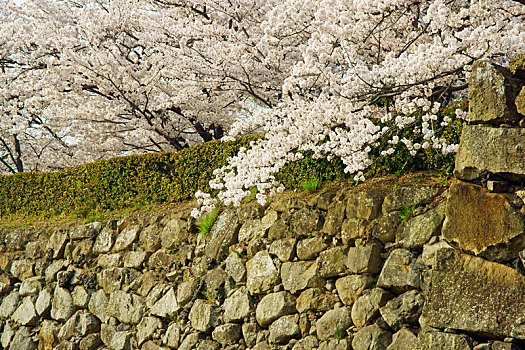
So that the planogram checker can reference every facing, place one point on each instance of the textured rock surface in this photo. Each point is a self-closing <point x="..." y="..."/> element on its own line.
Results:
<point x="223" y="233"/>
<point x="262" y="275"/>
<point x="300" y="275"/>
<point x="491" y="94"/>
<point x="400" y="272"/>
<point x="338" y="319"/>
<point x="273" y="306"/>
<point x="428" y="340"/>
<point x="477" y="220"/>
<point x="462" y="283"/>
<point x="489" y="149"/>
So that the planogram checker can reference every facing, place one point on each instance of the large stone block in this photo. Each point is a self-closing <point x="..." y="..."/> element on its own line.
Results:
<point x="491" y="94"/>
<point x="478" y="220"/>
<point x="222" y="234"/>
<point x="487" y="149"/>
<point x="474" y="295"/>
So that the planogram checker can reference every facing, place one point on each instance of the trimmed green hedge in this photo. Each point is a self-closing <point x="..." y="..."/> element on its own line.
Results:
<point x="116" y="183"/>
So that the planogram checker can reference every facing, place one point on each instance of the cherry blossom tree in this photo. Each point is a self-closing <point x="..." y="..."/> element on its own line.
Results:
<point x="89" y="79"/>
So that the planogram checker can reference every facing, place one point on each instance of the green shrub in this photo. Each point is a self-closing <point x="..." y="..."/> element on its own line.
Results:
<point x="121" y="182"/>
<point x="88" y="190"/>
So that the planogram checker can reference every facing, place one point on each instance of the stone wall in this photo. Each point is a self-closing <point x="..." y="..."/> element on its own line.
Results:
<point x="384" y="265"/>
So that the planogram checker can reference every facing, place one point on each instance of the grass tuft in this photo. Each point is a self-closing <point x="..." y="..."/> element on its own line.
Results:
<point x="206" y="223"/>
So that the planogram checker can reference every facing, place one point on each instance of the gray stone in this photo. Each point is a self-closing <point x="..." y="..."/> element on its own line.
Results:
<point x="461" y="283"/>
<point x="217" y="283"/>
<point x="62" y="308"/>
<point x="490" y="149"/>
<point x="174" y="234"/>
<point x="113" y="279"/>
<point x="26" y="314"/>
<point x="151" y="345"/>
<point x="306" y="221"/>
<point x="223" y="234"/>
<point x="331" y="262"/>
<point x="364" y="205"/>
<point x="491" y="94"/>
<point x="228" y="333"/>
<point x="402" y="340"/>
<point x="297" y="276"/>
<point x="149" y="237"/>
<point x="80" y="324"/>
<point x="89" y="230"/>
<point x="418" y="230"/>
<point x="31" y="286"/>
<point x="127" y="308"/>
<point x="350" y="288"/>
<point x="9" y="304"/>
<point x="121" y="340"/>
<point x="283" y="248"/>
<point x="160" y="259"/>
<point x="409" y="196"/>
<point x="403" y="310"/>
<point x="235" y="267"/>
<point x="257" y="228"/>
<point x="190" y="341"/>
<point x="135" y="260"/>
<point x="203" y="316"/>
<point x="98" y="306"/>
<point x="249" y="333"/>
<point x="186" y="290"/>
<point x="57" y="242"/>
<point x="43" y="302"/>
<point x="238" y="306"/>
<point x="284" y="329"/>
<point x="482" y="222"/>
<point x="7" y="334"/>
<point x="307" y="343"/>
<point x="429" y="340"/>
<point x="172" y="336"/>
<point x="364" y="259"/>
<point x="430" y="250"/>
<point x="352" y="229"/>
<point x="272" y="307"/>
<point x="315" y="299"/>
<point x="384" y="228"/>
<point x="106" y="333"/>
<point x="147" y="328"/>
<point x="334" y="218"/>
<point x="80" y="297"/>
<point x="208" y="344"/>
<point x="400" y="272"/>
<point x="23" y="340"/>
<point x="372" y="338"/>
<point x="366" y="308"/>
<point x="22" y="269"/>
<point x="126" y="238"/>
<point x="110" y="260"/>
<point x="90" y="342"/>
<point x="167" y="307"/>
<point x="262" y="275"/>
<point x="309" y="248"/>
<point x="338" y="319"/>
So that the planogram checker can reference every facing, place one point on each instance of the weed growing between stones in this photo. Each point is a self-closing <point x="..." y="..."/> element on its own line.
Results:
<point x="205" y="224"/>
